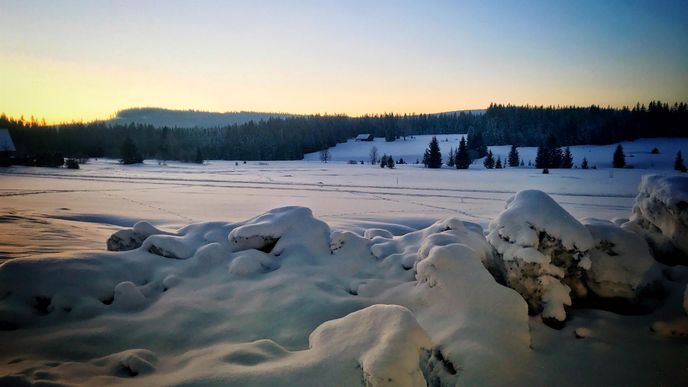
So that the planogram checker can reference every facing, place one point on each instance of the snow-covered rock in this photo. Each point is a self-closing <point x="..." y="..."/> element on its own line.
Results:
<point x="621" y="261"/>
<point x="281" y="228"/>
<point x="660" y="213"/>
<point x="542" y="252"/>
<point x="130" y="239"/>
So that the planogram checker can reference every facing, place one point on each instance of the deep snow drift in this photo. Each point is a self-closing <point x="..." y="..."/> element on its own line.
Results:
<point x="284" y="299"/>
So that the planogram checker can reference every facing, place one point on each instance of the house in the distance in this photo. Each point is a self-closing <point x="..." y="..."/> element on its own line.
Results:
<point x="364" y="137"/>
<point x="7" y="148"/>
<point x="6" y="144"/>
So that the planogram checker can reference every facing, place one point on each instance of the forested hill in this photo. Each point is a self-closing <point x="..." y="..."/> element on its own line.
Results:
<point x="159" y="118"/>
<point x="289" y="138"/>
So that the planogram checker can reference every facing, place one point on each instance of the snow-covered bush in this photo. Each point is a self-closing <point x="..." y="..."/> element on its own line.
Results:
<point x="660" y="213"/>
<point x="542" y="252"/>
<point x="621" y="261"/>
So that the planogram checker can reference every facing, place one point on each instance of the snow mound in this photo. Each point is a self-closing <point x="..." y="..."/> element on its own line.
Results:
<point x="130" y="239"/>
<point x="385" y="341"/>
<point x="660" y="213"/>
<point x="282" y="228"/>
<point x="621" y="261"/>
<point x="380" y="309"/>
<point x="542" y="252"/>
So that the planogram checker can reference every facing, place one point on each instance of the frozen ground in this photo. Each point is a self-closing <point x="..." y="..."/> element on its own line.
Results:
<point x="255" y="318"/>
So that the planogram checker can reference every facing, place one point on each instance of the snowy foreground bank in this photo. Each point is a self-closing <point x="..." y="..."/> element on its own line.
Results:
<point x="540" y="298"/>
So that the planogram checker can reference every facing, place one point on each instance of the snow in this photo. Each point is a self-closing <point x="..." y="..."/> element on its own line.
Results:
<point x="621" y="263"/>
<point x="543" y="250"/>
<point x="661" y="214"/>
<point x="638" y="152"/>
<point x="410" y="149"/>
<point x="350" y="274"/>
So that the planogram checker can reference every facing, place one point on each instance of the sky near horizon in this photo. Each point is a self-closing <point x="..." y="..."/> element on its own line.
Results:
<point x="72" y="60"/>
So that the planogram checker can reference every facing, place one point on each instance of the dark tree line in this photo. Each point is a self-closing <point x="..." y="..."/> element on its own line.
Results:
<point x="289" y="138"/>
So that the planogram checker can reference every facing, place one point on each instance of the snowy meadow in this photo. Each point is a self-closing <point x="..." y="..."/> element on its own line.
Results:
<point x="311" y="273"/>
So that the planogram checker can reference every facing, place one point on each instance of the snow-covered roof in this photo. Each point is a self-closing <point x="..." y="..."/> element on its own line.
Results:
<point x="6" y="143"/>
<point x="363" y="136"/>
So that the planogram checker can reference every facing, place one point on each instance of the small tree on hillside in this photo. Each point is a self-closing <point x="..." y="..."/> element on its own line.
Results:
<point x="489" y="161"/>
<point x="325" y="155"/>
<point x="372" y="156"/>
<point x="619" y="157"/>
<point x="452" y="158"/>
<point x="463" y="160"/>
<point x="513" y="157"/>
<point x="498" y="164"/>
<point x="433" y="156"/>
<point x="567" y="159"/>
<point x="678" y="164"/>
<point x="130" y="153"/>
<point x="383" y="161"/>
<point x="584" y="163"/>
<point x="390" y="162"/>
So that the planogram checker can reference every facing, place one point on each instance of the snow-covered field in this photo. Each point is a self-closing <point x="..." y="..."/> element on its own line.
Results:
<point x="298" y="296"/>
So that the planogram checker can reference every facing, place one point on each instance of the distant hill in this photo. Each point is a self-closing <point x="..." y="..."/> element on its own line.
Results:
<point x="159" y="117"/>
<point x="472" y="111"/>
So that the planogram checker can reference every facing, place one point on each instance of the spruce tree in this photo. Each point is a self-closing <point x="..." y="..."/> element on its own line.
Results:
<point x="619" y="157"/>
<point x="383" y="161"/>
<point x="584" y="163"/>
<point x="542" y="157"/>
<point x="567" y="159"/>
<point x="678" y="164"/>
<point x="513" y="157"/>
<point x="433" y="156"/>
<point x="489" y="161"/>
<point x="130" y="153"/>
<point x="390" y="162"/>
<point x="498" y="164"/>
<point x="555" y="154"/>
<point x="452" y="157"/>
<point x="463" y="160"/>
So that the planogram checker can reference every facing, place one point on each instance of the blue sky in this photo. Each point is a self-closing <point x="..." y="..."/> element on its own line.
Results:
<point x="66" y="60"/>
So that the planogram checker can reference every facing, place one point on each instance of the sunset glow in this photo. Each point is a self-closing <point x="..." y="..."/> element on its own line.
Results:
<point x="335" y="57"/>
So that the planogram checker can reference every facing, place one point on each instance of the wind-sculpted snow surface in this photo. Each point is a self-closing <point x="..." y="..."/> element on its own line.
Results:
<point x="661" y="214"/>
<point x="281" y="299"/>
<point x="278" y="299"/>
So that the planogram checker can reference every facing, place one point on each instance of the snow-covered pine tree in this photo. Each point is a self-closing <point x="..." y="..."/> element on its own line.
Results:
<point x="390" y="162"/>
<point x="513" y="157"/>
<point x="542" y="157"/>
<point x="130" y="153"/>
<point x="434" y="156"/>
<point x="489" y="161"/>
<point x="463" y="160"/>
<point x="619" y="157"/>
<point x="452" y="157"/>
<point x="567" y="159"/>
